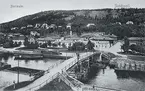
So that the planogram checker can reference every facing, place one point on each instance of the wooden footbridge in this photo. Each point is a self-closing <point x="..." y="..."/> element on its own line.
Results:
<point x="125" y="64"/>
<point x="52" y="73"/>
<point x="57" y="69"/>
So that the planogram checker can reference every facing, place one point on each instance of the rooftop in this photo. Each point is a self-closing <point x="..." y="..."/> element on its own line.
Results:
<point x="45" y="39"/>
<point x="19" y="38"/>
<point x="137" y="38"/>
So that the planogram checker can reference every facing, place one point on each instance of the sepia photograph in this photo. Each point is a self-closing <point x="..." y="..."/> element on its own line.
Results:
<point x="72" y="45"/>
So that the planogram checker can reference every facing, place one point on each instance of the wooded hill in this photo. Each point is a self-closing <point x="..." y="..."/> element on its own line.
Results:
<point x="121" y="22"/>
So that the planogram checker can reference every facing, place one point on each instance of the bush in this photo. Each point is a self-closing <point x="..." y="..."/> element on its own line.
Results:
<point x="137" y="48"/>
<point x="43" y="45"/>
<point x="77" y="46"/>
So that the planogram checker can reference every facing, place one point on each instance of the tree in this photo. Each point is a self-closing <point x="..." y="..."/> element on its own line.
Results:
<point x="90" y="45"/>
<point x="133" y="47"/>
<point x="126" y="44"/>
<point x="54" y="45"/>
<point x="63" y="45"/>
<point x="49" y="43"/>
<point x="77" y="46"/>
<point x="43" y="45"/>
<point x="26" y="41"/>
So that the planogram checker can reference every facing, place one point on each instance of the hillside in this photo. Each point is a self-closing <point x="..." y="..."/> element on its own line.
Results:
<point x="109" y="20"/>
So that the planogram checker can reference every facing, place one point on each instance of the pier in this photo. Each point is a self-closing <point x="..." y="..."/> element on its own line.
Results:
<point x="125" y="64"/>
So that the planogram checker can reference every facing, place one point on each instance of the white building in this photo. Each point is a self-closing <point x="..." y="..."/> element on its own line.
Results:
<point x="90" y="24"/>
<point x="118" y="23"/>
<point x="29" y="26"/>
<point x="34" y="33"/>
<point x="14" y="28"/>
<point x="18" y="39"/>
<point x="45" y="40"/>
<point x="52" y="26"/>
<point x="68" y="26"/>
<point x="37" y="25"/>
<point x="45" y="26"/>
<point x="23" y="27"/>
<point x="129" y="22"/>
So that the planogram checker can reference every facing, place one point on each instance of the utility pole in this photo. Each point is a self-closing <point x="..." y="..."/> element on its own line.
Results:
<point x="66" y="55"/>
<point x="18" y="71"/>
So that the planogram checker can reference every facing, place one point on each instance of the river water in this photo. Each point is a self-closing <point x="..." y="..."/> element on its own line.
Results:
<point x="110" y="79"/>
<point x="107" y="78"/>
<point x="7" y="78"/>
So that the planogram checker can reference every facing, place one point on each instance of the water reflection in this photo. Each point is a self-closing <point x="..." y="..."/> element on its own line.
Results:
<point x="34" y="64"/>
<point x="111" y="79"/>
<point x="7" y="78"/>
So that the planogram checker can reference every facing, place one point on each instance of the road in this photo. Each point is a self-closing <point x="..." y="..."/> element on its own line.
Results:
<point x="114" y="49"/>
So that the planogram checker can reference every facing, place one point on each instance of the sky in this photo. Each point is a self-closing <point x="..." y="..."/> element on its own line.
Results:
<point x="13" y="9"/>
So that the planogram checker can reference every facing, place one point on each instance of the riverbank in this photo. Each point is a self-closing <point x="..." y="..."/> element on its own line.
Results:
<point x="136" y="57"/>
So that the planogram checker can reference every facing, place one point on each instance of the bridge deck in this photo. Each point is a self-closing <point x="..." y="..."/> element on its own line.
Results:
<point x="53" y="73"/>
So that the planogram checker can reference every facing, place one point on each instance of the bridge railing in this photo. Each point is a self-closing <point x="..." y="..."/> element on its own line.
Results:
<point x="52" y="66"/>
<point x="66" y="80"/>
<point x="43" y="83"/>
<point x="75" y="61"/>
<point x="57" y="74"/>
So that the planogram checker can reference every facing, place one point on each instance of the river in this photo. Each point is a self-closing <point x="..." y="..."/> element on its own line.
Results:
<point x="108" y="78"/>
<point x="7" y="78"/>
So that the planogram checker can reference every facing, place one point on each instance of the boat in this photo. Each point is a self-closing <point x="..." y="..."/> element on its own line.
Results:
<point x="39" y="54"/>
<point x="54" y="55"/>
<point x="27" y="52"/>
<point x="28" y="56"/>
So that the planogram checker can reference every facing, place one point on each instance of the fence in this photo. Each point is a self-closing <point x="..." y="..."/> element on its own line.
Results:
<point x="66" y="80"/>
<point x="44" y="83"/>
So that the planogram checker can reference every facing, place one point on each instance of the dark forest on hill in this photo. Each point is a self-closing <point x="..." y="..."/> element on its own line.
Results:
<point x="111" y="21"/>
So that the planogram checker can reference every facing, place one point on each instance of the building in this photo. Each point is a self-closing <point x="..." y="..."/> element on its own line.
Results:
<point x="37" y="25"/>
<point x="23" y="27"/>
<point x="93" y="34"/>
<point x="136" y="40"/>
<point x="129" y="22"/>
<point x="45" y="26"/>
<point x="68" y="40"/>
<point x="14" y="28"/>
<point x="34" y="33"/>
<point x="31" y="40"/>
<point x="29" y="26"/>
<point x="67" y="43"/>
<point x="45" y="40"/>
<point x="68" y="26"/>
<point x="118" y="23"/>
<point x="90" y="24"/>
<point x="18" y="39"/>
<point x="52" y="26"/>
<point x="100" y="39"/>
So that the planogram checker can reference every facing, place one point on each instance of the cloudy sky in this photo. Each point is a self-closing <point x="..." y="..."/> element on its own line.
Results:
<point x="8" y="13"/>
